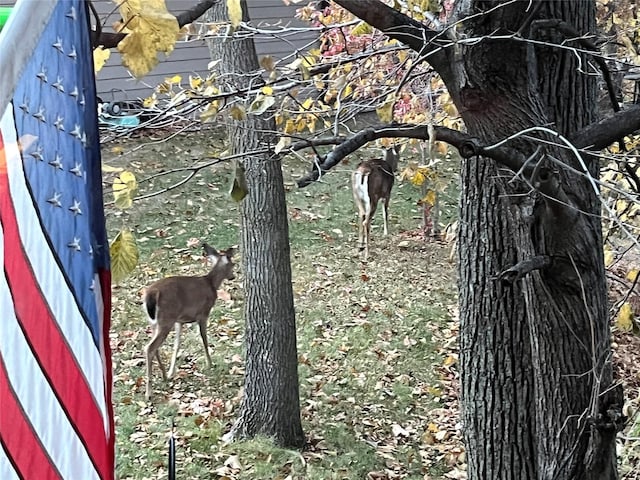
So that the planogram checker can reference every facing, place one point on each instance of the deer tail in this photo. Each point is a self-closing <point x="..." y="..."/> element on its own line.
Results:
<point x="151" y="306"/>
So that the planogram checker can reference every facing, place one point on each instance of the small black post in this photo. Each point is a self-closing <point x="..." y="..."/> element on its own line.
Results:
<point x="172" y="452"/>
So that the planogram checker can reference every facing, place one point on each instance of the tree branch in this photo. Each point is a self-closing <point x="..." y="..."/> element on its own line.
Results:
<point x="519" y="270"/>
<point x="601" y="134"/>
<point x="467" y="146"/>
<point x="111" y="39"/>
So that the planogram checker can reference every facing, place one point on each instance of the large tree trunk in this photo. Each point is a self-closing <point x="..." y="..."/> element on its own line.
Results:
<point x="538" y="399"/>
<point x="535" y="351"/>
<point x="270" y="404"/>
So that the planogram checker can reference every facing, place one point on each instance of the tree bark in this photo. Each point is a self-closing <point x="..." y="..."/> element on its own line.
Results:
<point x="538" y="398"/>
<point x="270" y="404"/>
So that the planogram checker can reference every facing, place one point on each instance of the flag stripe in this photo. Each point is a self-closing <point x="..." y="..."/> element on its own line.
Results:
<point x="38" y="402"/>
<point x="41" y="330"/>
<point x="28" y="455"/>
<point x="7" y="470"/>
<point x="53" y="283"/>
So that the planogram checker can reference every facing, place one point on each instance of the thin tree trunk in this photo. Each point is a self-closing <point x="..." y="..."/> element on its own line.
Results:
<point x="270" y="404"/>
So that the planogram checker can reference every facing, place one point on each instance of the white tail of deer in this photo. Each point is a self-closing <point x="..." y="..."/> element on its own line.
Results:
<point x="371" y="182"/>
<point x="177" y="300"/>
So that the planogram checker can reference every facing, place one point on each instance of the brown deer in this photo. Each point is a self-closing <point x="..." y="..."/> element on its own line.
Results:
<point x="371" y="182"/>
<point x="177" y="300"/>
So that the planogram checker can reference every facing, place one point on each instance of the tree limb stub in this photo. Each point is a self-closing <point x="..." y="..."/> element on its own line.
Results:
<point x="111" y="39"/>
<point x="519" y="270"/>
<point x="467" y="147"/>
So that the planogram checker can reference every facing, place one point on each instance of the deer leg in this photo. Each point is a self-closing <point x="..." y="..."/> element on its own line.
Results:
<point x="366" y="224"/>
<point x="385" y="208"/>
<point x="164" y="372"/>
<point x="176" y="346"/>
<point x="151" y="350"/>
<point x="203" y="333"/>
<point x="361" y="227"/>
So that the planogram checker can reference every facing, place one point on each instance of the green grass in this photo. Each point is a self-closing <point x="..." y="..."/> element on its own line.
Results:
<point x="369" y="336"/>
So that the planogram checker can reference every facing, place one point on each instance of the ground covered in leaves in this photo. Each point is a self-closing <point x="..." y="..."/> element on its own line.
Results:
<point x="376" y="341"/>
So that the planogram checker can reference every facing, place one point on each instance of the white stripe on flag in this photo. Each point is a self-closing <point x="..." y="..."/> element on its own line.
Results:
<point x="51" y="281"/>
<point x="7" y="471"/>
<point x="36" y="398"/>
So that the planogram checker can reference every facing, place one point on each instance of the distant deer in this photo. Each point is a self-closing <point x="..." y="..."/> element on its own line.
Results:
<point x="372" y="181"/>
<point x="177" y="300"/>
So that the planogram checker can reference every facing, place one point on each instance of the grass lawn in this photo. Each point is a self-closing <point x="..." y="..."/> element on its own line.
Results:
<point x="376" y="342"/>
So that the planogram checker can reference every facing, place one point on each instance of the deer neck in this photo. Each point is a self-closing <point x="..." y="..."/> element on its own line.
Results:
<point x="215" y="279"/>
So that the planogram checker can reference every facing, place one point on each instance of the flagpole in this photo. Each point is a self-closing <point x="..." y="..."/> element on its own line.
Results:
<point x="21" y="33"/>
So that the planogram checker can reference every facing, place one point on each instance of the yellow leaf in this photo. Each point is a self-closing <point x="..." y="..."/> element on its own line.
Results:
<point x="362" y="28"/>
<point x="624" y="321"/>
<point x="290" y="126"/>
<point x="151" y="29"/>
<point x="267" y="90"/>
<point x="450" y="360"/>
<point x="238" y="113"/>
<point x="430" y="198"/>
<point x="307" y="104"/>
<point x="283" y="143"/>
<point x="175" y="80"/>
<point x="124" y="255"/>
<point x="417" y="179"/>
<point x="209" y="112"/>
<point x="151" y="101"/>
<point x="109" y="169"/>
<point x="301" y="124"/>
<point x="268" y="63"/>
<point x="195" y="82"/>
<point x="124" y="187"/>
<point x="608" y="258"/>
<point x="100" y="57"/>
<point x="235" y="12"/>
<point x="385" y="112"/>
<point x="632" y="274"/>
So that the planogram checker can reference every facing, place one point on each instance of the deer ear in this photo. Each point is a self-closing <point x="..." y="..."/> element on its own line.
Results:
<point x="209" y="250"/>
<point x="230" y="252"/>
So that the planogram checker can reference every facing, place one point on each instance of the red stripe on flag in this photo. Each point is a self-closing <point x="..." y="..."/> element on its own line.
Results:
<point x="22" y="444"/>
<point x="50" y="347"/>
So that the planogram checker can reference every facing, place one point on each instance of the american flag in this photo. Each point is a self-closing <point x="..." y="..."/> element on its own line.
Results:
<point x="56" y="417"/>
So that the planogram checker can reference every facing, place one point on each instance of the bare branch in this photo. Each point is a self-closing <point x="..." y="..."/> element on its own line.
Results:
<point x="601" y="134"/>
<point x="466" y="145"/>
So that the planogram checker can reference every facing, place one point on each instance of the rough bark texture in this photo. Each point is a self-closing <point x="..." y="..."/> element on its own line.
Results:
<point x="270" y="404"/>
<point x="535" y="353"/>
<point x="538" y="399"/>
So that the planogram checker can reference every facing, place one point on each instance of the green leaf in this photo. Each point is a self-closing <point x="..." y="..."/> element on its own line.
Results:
<point x="124" y="255"/>
<point x="239" y="188"/>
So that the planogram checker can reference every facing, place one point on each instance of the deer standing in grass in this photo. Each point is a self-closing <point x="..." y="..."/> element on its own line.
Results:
<point x="177" y="300"/>
<point x="371" y="182"/>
